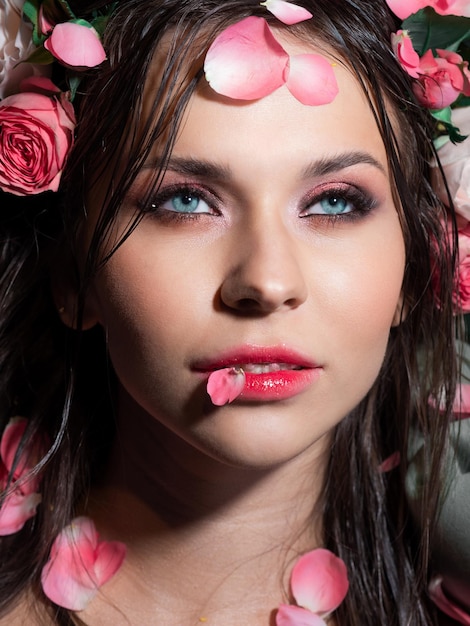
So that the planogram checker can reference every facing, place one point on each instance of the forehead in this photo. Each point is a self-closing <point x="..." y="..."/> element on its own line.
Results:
<point x="278" y="128"/>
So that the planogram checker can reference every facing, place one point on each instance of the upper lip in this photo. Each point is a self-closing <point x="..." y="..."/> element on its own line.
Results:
<point x="254" y="354"/>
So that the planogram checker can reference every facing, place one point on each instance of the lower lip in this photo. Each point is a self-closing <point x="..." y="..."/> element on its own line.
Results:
<point x="272" y="386"/>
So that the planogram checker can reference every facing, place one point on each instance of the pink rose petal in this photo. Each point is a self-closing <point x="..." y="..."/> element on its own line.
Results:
<point x="287" y="12"/>
<point x="245" y="61"/>
<point x="16" y="510"/>
<point x="311" y="79"/>
<point x="224" y="385"/>
<point x="390" y="463"/>
<point x="446" y="605"/>
<point x="9" y="443"/>
<point x="451" y="7"/>
<point x="407" y="55"/>
<point x="319" y="581"/>
<point x="405" y="8"/>
<point x="79" y="565"/>
<point x="290" y="615"/>
<point x="75" y="45"/>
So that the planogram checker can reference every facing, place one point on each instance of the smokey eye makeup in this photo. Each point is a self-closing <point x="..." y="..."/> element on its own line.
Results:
<point x="329" y="202"/>
<point x="342" y="201"/>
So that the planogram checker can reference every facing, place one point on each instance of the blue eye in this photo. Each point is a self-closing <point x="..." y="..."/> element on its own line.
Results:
<point x="346" y="202"/>
<point x="186" y="202"/>
<point x="330" y="205"/>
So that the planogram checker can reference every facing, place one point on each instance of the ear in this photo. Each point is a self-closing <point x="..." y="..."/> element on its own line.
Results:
<point x="65" y="293"/>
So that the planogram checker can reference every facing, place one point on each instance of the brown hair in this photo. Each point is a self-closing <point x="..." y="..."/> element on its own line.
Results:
<point x="62" y="379"/>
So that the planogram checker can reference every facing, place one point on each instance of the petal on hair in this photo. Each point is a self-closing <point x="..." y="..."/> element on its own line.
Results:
<point x="319" y="581"/>
<point x="10" y="442"/>
<point x="16" y="510"/>
<point x="311" y="79"/>
<point x="461" y="404"/>
<point x="79" y="565"/>
<point x="287" y="12"/>
<point x="290" y="615"/>
<point x="75" y="45"/>
<point x="245" y="61"/>
<point x="440" y="599"/>
<point x="224" y="385"/>
<point x="390" y="463"/>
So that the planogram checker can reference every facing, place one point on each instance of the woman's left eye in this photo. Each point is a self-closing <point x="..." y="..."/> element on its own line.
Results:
<point x="336" y="203"/>
<point x="186" y="202"/>
<point x="331" y="205"/>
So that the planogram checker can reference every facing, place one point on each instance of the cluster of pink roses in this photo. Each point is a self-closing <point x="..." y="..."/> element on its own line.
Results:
<point x="37" y="120"/>
<point x="440" y="79"/>
<point x="455" y="161"/>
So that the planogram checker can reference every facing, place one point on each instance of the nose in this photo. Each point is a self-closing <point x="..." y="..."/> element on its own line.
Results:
<point x="266" y="273"/>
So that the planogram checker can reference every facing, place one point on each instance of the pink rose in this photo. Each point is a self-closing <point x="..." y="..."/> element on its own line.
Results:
<point x="406" y="54"/>
<point x="462" y="296"/>
<point x="36" y="135"/>
<point x="405" y="8"/>
<point x="441" y="79"/>
<point x="455" y="161"/>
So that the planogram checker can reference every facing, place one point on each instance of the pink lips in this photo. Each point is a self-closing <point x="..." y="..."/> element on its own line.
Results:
<point x="271" y="373"/>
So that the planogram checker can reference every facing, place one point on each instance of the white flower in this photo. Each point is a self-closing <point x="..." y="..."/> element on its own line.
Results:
<point x="15" y="46"/>
<point x="455" y="160"/>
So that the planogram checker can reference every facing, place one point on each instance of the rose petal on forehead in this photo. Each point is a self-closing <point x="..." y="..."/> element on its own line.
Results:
<point x="224" y="385"/>
<point x="287" y="12"/>
<point x="311" y="79"/>
<point x="245" y="61"/>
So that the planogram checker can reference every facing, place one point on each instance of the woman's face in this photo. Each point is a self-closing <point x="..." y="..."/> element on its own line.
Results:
<point x="273" y="240"/>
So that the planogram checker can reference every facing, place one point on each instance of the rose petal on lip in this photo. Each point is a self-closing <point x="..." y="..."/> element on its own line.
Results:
<point x="224" y="385"/>
<point x="287" y="12"/>
<point x="311" y="79"/>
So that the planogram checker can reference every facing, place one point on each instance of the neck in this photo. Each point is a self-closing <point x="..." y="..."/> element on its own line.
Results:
<point x="205" y="533"/>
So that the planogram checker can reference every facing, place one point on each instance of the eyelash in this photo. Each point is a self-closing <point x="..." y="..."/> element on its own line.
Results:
<point x="361" y="201"/>
<point x="155" y="206"/>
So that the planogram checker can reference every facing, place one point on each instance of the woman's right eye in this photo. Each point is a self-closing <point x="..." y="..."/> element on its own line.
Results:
<point x="185" y="202"/>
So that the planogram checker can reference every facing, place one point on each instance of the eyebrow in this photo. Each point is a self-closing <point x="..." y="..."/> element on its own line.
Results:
<point x="319" y="168"/>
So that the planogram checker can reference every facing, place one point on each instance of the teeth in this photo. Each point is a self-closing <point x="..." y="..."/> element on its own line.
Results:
<point x="265" y="368"/>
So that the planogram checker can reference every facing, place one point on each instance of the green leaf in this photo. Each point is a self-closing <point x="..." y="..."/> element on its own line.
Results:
<point x="30" y="10"/>
<point x="74" y="82"/>
<point x="66" y="8"/>
<point x="81" y="22"/>
<point x="445" y="126"/>
<point x="40" y="56"/>
<point x="430" y="30"/>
